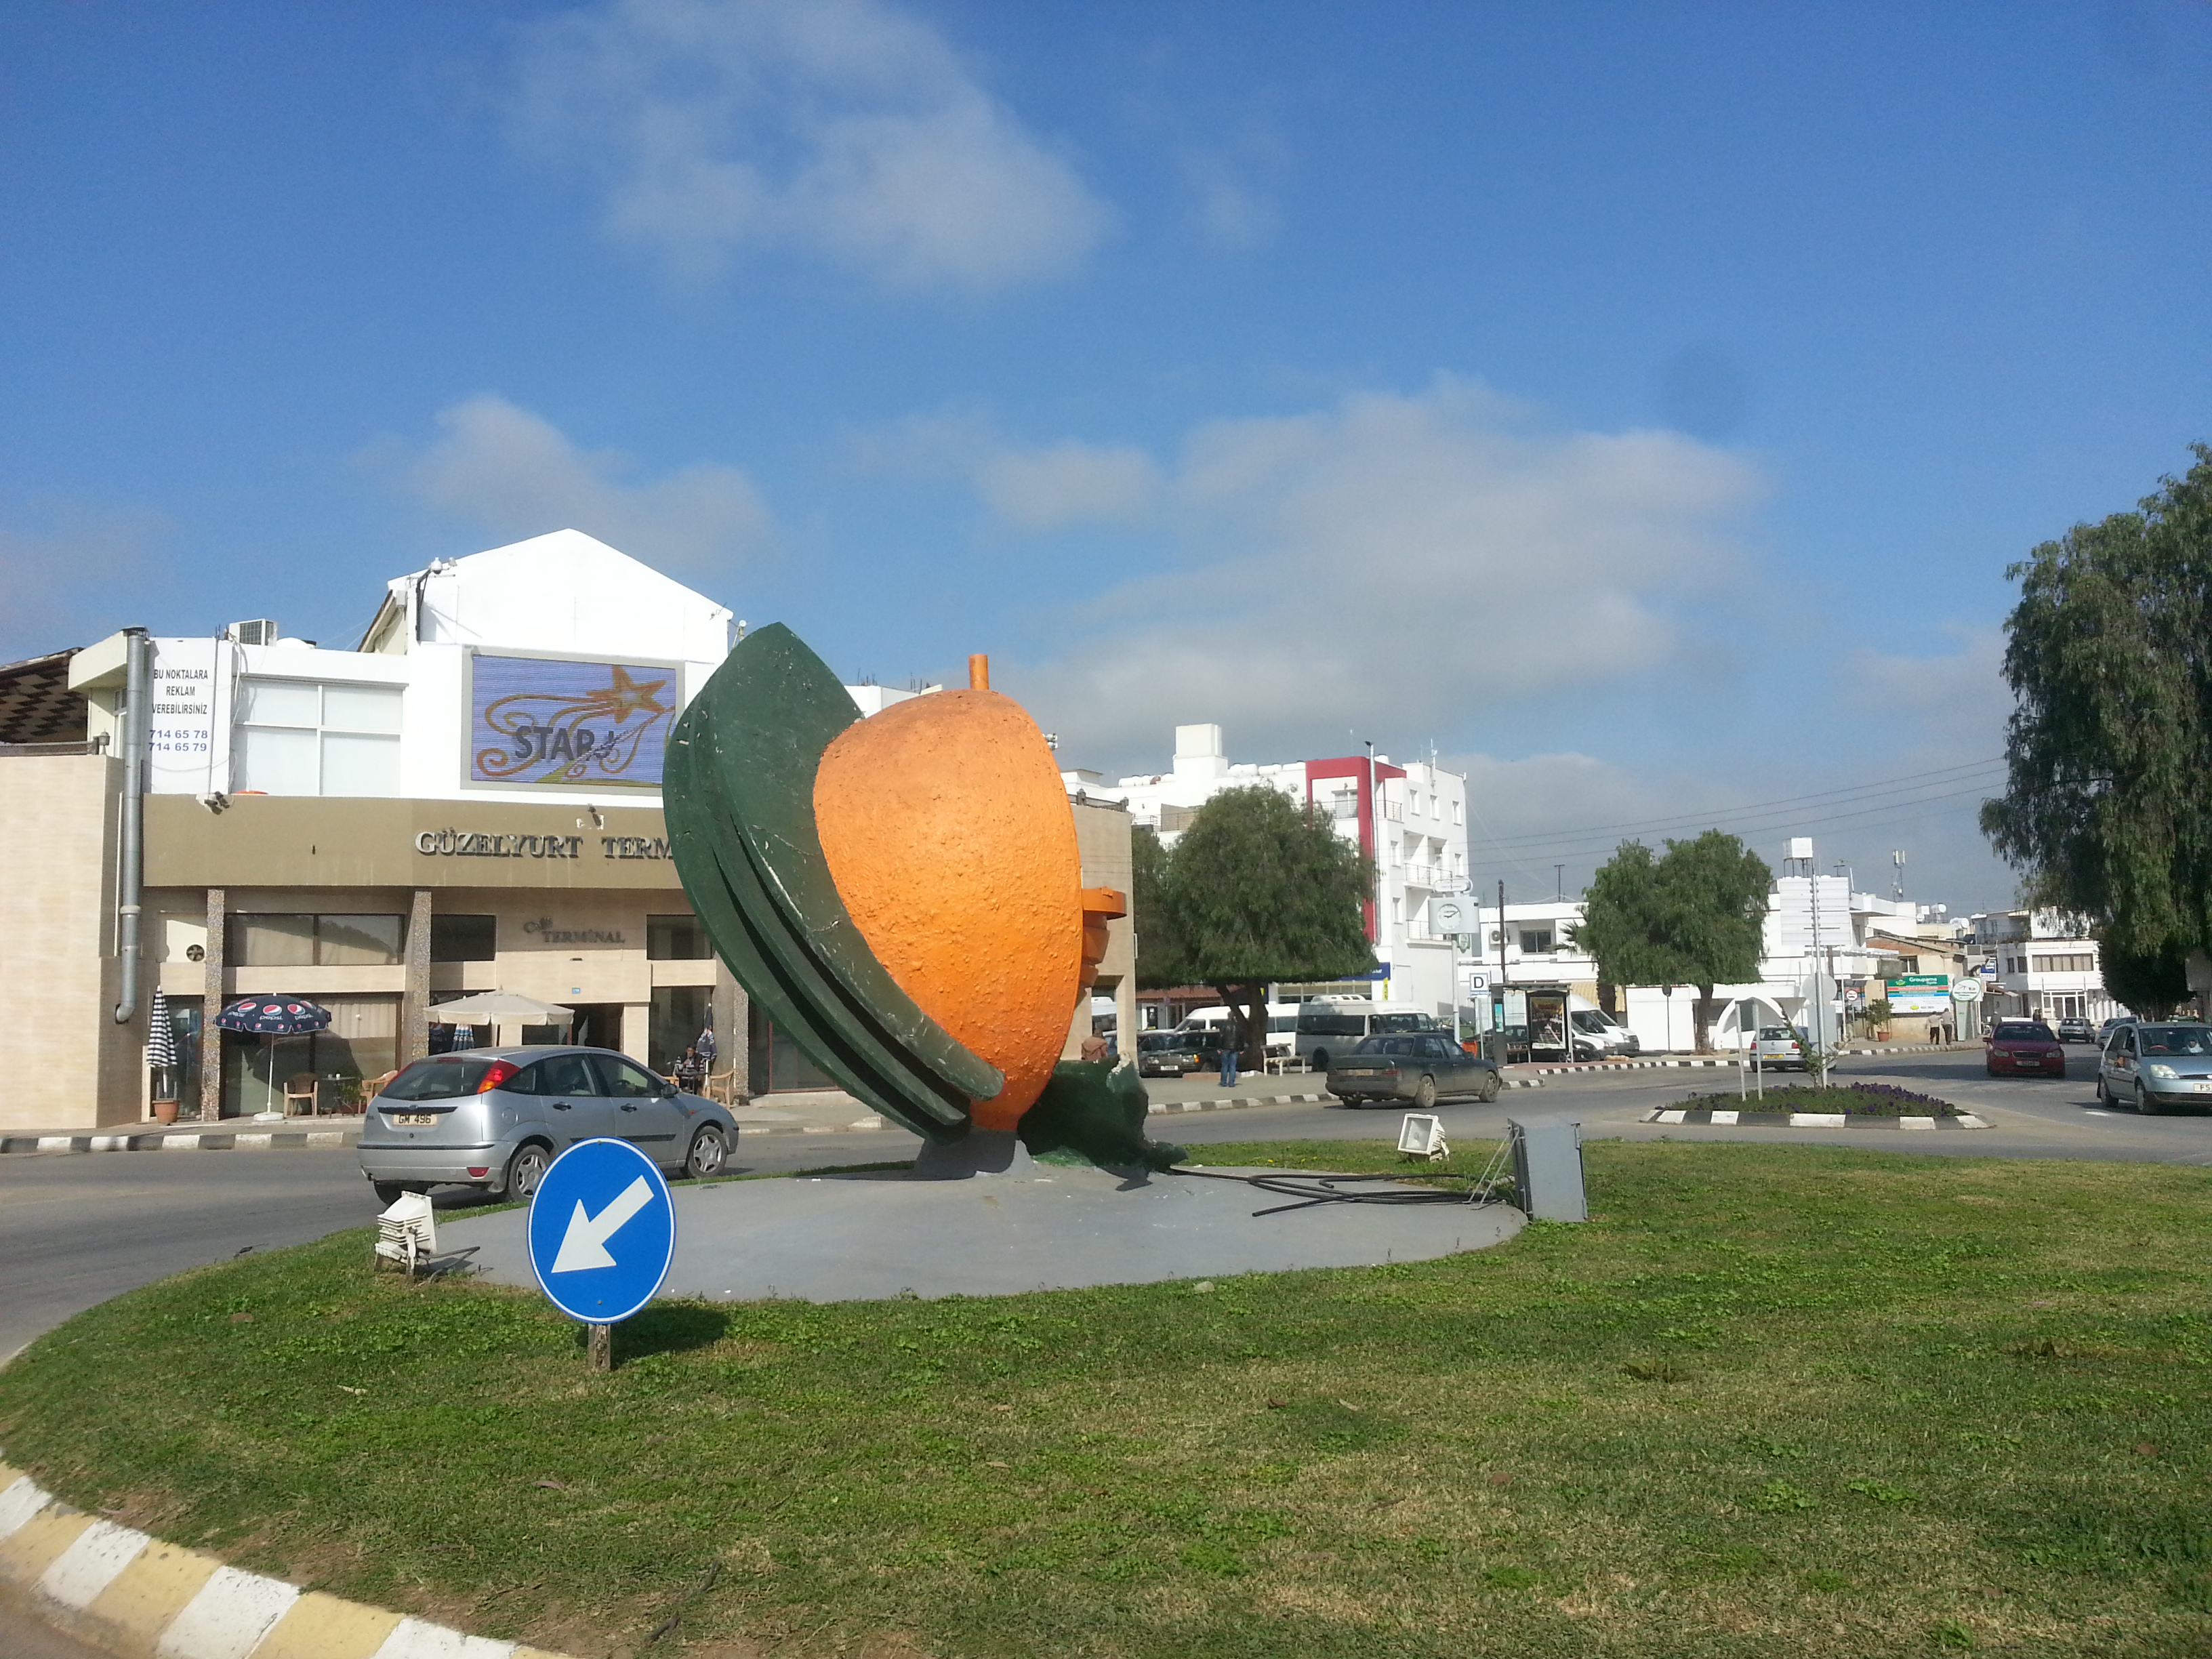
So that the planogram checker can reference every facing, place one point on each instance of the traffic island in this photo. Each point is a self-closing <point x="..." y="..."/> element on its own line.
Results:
<point x="1769" y="1399"/>
<point x="1813" y="1106"/>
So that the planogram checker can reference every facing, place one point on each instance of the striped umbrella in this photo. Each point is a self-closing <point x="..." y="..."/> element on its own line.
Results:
<point x="160" y="1033"/>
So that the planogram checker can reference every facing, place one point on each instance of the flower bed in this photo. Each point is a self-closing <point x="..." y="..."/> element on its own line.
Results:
<point x="1853" y="1100"/>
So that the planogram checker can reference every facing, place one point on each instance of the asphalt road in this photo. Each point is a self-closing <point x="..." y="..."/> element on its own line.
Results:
<point x="77" y="1228"/>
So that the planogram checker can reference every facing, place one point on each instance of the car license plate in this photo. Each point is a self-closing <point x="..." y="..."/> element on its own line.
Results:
<point x="2200" y="1088"/>
<point x="413" y="1120"/>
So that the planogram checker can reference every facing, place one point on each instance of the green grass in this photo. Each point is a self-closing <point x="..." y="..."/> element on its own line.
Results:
<point x="1854" y="1099"/>
<point x="1771" y="1400"/>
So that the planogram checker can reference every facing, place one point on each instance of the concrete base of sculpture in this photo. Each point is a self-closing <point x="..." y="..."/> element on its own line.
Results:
<point x="978" y="1152"/>
<point x="870" y="1236"/>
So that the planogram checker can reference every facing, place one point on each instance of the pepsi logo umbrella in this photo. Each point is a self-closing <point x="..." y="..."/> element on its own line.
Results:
<point x="273" y="1016"/>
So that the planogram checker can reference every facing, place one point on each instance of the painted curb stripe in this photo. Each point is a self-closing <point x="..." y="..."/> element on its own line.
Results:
<point x="1733" y="1118"/>
<point x="132" y="1594"/>
<point x="90" y="1564"/>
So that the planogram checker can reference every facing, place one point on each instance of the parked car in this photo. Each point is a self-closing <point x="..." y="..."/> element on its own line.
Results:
<point x="1325" y="1029"/>
<point x="2072" y="1028"/>
<point x="1419" y="1067"/>
<point x="495" y="1119"/>
<point x="2151" y="1066"/>
<point x="1777" y="1048"/>
<point x="1165" y="1053"/>
<point x="2105" y="1031"/>
<point x="2024" y="1047"/>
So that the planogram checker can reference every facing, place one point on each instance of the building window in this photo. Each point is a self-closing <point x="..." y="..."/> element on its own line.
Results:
<point x="1535" y="941"/>
<point x="463" y="939"/>
<point x="2074" y="963"/>
<point x="302" y="738"/>
<point x="332" y="941"/>
<point x="1455" y="812"/>
<point x="675" y="938"/>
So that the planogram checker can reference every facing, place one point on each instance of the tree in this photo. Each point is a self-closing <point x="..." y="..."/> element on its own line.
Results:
<point x="2153" y="986"/>
<point x="1161" y="961"/>
<point x="1259" y="890"/>
<point x="2109" y="656"/>
<point x="1695" y="915"/>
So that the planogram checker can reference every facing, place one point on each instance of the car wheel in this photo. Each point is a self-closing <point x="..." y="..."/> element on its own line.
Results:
<point x="2144" y="1105"/>
<point x="1490" y="1085"/>
<point x="709" y="1151"/>
<point x="1425" y="1094"/>
<point x="526" y="1170"/>
<point x="2104" y="1095"/>
<point x="387" y="1192"/>
<point x="1991" y="1069"/>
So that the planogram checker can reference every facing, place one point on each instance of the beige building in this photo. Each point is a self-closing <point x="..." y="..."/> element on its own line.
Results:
<point x="320" y="824"/>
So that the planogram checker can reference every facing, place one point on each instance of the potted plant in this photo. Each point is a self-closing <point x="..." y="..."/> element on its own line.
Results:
<point x="165" y="1111"/>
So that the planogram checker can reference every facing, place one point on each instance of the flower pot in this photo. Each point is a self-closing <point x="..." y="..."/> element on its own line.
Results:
<point x="165" y="1111"/>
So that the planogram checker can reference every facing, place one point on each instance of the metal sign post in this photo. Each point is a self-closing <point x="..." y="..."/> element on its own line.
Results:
<point x="602" y="1234"/>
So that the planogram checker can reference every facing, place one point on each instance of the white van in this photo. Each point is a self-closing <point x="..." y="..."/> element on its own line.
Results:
<point x="1282" y="1024"/>
<point x="1337" y="1027"/>
<point x="1598" y="1035"/>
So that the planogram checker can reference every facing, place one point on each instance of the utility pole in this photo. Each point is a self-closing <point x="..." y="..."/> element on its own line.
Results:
<point x="1560" y="882"/>
<point x="1499" y="1000"/>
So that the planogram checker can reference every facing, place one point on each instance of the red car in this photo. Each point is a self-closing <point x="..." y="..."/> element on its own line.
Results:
<point x="2022" y="1048"/>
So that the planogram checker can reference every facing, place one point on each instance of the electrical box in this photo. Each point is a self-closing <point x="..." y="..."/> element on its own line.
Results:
<point x="1548" y="1168"/>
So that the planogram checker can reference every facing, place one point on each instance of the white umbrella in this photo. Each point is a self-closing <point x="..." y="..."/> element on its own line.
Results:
<point x="499" y="1008"/>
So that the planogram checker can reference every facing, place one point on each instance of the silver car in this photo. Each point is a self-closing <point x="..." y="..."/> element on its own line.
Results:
<point x="1418" y="1066"/>
<point x="496" y="1118"/>
<point x="2152" y="1067"/>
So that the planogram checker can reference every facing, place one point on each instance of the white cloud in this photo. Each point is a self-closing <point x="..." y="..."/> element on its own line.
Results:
<point x="1399" y="558"/>
<point x="842" y="127"/>
<point x="1066" y="484"/>
<point x="1231" y="189"/>
<point x="1028" y="489"/>
<point x="515" y="473"/>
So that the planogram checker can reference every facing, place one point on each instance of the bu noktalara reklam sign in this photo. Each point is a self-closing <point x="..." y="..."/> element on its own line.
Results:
<point x="1919" y="994"/>
<point x="542" y="721"/>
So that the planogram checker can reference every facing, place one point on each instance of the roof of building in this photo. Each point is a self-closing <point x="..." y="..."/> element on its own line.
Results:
<point x="36" y="704"/>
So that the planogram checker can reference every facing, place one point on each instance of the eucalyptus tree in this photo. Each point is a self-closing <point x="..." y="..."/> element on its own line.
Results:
<point x="2109" y="749"/>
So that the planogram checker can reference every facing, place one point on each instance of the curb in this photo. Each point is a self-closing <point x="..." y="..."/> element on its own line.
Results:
<point x="1722" y="1118"/>
<point x="206" y="1141"/>
<point x="1162" y="1108"/>
<point x="130" y="1594"/>
<point x="1599" y="1067"/>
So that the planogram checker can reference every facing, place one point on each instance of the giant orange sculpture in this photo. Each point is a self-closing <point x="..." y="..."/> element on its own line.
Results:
<point x="903" y="895"/>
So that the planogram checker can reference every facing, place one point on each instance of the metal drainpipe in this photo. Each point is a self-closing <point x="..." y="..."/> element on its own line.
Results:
<point x="130" y="854"/>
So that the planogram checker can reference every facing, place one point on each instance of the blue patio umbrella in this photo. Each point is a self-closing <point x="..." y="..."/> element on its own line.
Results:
<point x="273" y="1016"/>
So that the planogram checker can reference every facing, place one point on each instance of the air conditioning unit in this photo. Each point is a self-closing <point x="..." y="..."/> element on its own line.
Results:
<point x="261" y="632"/>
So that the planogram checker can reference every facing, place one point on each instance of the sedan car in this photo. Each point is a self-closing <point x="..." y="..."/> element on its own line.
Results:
<point x="1165" y="1053"/>
<point x="2149" y="1067"/>
<point x="495" y="1119"/>
<point x="1419" y="1067"/>
<point x="1777" y="1048"/>
<point x="2075" y="1028"/>
<point x="2023" y="1048"/>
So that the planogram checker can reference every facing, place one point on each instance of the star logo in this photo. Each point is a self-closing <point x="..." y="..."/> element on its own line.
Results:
<point x="625" y="696"/>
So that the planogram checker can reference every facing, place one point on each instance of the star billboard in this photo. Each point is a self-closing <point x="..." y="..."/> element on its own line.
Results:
<point x="557" y="722"/>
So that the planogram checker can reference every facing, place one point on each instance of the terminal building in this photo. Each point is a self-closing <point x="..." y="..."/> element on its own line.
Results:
<point x="468" y="800"/>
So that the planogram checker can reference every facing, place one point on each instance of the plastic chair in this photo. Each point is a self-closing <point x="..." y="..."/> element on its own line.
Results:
<point x="302" y="1085"/>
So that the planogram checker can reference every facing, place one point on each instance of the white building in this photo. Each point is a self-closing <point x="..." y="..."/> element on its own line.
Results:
<point x="2046" y="967"/>
<point x="1410" y="818"/>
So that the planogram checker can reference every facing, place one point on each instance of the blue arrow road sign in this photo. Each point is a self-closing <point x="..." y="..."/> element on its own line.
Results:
<point x="602" y="1231"/>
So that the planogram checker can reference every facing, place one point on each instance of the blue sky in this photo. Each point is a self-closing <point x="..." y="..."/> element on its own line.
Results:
<point x="1640" y="404"/>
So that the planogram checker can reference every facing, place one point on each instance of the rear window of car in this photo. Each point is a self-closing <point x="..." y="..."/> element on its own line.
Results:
<point x="2175" y="1039"/>
<point x="1402" y="1022"/>
<point x="1381" y="1046"/>
<point x="1332" y="1025"/>
<point x="442" y="1076"/>
<point x="1777" y="1034"/>
<point x="2024" y="1031"/>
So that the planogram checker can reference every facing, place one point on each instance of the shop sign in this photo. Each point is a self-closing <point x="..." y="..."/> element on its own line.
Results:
<point x="180" y="746"/>
<point x="488" y="844"/>
<point x="541" y="722"/>
<point x="546" y="933"/>
<point x="1919" y="994"/>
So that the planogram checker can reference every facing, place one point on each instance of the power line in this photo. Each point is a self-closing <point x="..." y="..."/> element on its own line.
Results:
<point x="1793" y="820"/>
<point x="1758" y="809"/>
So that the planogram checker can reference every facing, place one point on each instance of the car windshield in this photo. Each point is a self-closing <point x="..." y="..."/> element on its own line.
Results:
<point x="1156" y="1041"/>
<point x="442" y="1076"/>
<point x="2175" y="1039"/>
<point x="2025" y="1031"/>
